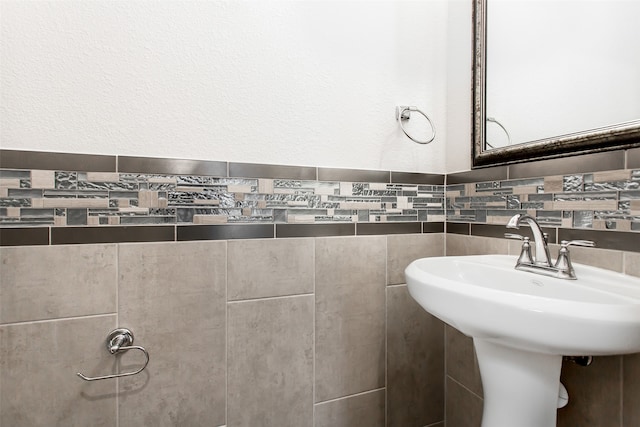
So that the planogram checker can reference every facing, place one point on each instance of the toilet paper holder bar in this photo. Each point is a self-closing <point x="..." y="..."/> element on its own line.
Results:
<point x="119" y="341"/>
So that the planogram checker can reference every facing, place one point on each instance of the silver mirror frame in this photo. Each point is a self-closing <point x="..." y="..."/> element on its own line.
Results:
<point x="607" y="138"/>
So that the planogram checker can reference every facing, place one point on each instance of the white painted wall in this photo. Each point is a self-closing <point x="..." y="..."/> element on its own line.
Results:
<point x="459" y="85"/>
<point x="283" y="82"/>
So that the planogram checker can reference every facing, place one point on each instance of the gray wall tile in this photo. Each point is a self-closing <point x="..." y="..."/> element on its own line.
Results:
<point x="172" y="296"/>
<point x="457" y="245"/>
<point x="38" y="365"/>
<point x="24" y="236"/>
<point x="171" y="166"/>
<point x="251" y="170"/>
<point x="464" y="409"/>
<point x="631" y="390"/>
<point x="224" y="232"/>
<point x="366" y="409"/>
<point x="271" y="362"/>
<point x="417" y="178"/>
<point x="111" y="234"/>
<point x="609" y="160"/>
<point x="604" y="239"/>
<point x="17" y="159"/>
<point x="602" y="258"/>
<point x="374" y="228"/>
<point x="415" y="362"/>
<point x="632" y="263"/>
<point x="477" y="175"/>
<point x="403" y="249"/>
<point x="633" y="158"/>
<point x="462" y="363"/>
<point x="268" y="268"/>
<point x="48" y="282"/>
<point x="350" y="315"/>
<point x="355" y="175"/>
<point x="595" y="397"/>
<point x="315" y="230"/>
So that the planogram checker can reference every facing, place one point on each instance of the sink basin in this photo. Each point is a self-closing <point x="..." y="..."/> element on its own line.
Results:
<point x="523" y="323"/>
<point x="483" y="296"/>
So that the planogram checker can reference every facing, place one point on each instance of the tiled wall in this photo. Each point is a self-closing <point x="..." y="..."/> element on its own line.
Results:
<point x="572" y="196"/>
<point x="607" y="200"/>
<point x="228" y="193"/>
<point x="271" y="332"/>
<point x="243" y="328"/>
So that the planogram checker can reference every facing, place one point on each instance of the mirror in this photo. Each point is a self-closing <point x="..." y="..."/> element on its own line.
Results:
<point x="554" y="78"/>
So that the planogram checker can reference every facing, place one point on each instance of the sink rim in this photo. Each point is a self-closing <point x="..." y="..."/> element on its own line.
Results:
<point x="556" y="326"/>
<point x="531" y="300"/>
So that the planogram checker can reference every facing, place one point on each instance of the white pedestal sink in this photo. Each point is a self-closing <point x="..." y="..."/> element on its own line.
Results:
<point x="523" y="323"/>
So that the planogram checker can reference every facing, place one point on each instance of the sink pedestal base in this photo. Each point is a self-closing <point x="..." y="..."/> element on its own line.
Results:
<point x="520" y="387"/>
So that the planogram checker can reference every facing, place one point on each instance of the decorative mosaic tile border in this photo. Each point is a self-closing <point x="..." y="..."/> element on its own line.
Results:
<point x="73" y="198"/>
<point x="608" y="200"/>
<point x="61" y="198"/>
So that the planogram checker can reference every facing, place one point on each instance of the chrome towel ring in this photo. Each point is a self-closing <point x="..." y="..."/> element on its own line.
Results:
<point x="404" y="113"/>
<point x="119" y="341"/>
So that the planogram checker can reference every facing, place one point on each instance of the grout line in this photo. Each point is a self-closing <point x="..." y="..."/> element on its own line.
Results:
<point x="313" y="344"/>
<point x="464" y="387"/>
<point x="117" y="325"/>
<point x="444" y="382"/>
<point x="268" y="298"/>
<point x="362" y="393"/>
<point x="621" y="391"/>
<point x="386" y="331"/>
<point x="226" y="333"/>
<point x="58" y="319"/>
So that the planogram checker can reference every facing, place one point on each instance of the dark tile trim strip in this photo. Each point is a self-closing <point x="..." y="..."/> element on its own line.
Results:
<point x="16" y="159"/>
<point x="617" y="240"/>
<point x="489" y="230"/>
<point x="353" y="175"/>
<point x="24" y="236"/>
<point x="315" y="230"/>
<point x="610" y="160"/>
<point x="112" y="234"/>
<point x="171" y="166"/>
<point x="459" y="228"/>
<point x="433" y="227"/>
<point x="368" y="229"/>
<point x="633" y="158"/>
<point x="249" y="170"/>
<point x="225" y="232"/>
<point x="417" y="178"/>
<point x="478" y="175"/>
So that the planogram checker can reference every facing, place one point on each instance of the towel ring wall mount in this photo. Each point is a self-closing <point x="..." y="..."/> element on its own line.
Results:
<point x="403" y="112"/>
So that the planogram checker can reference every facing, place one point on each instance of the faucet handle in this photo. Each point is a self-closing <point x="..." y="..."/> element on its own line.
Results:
<point x="514" y="236"/>
<point x="587" y="243"/>
<point x="563" y="263"/>
<point x="525" y="253"/>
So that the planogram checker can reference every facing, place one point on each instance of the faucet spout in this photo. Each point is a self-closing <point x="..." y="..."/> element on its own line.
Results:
<point x="542" y="256"/>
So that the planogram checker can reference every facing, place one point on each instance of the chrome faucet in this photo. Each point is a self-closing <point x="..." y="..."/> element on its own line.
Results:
<point x="540" y="239"/>
<point x="541" y="263"/>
